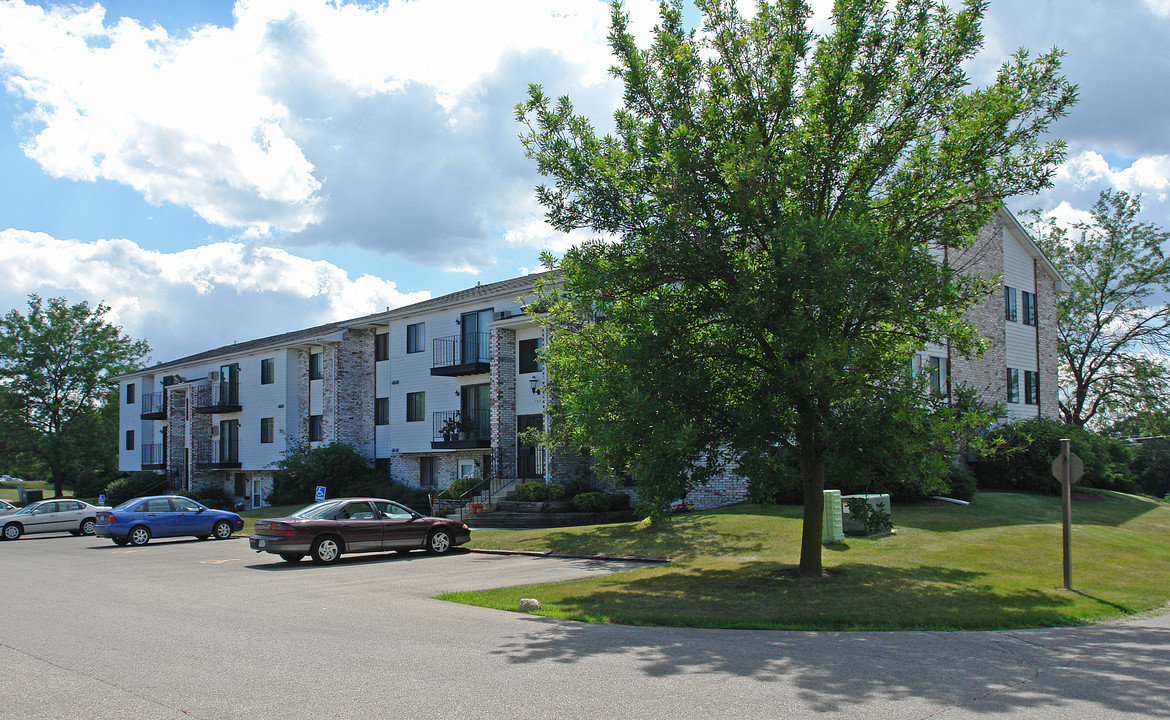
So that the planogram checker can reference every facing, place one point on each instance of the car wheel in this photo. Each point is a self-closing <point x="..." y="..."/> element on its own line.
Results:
<point x="326" y="550"/>
<point x="13" y="531"/>
<point x="120" y="541"/>
<point x="139" y="535"/>
<point x="222" y="530"/>
<point x="291" y="557"/>
<point x="439" y="542"/>
<point x="88" y="525"/>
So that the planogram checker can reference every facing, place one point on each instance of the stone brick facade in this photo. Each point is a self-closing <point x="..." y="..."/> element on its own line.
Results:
<point x="354" y="414"/>
<point x="1046" y="339"/>
<point x="503" y="393"/>
<point x="985" y="259"/>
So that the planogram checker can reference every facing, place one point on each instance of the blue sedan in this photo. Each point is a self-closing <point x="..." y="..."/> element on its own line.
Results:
<point x="136" y="521"/>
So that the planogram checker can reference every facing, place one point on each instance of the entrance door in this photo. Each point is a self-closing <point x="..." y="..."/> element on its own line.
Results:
<point x="257" y="500"/>
<point x="526" y="457"/>
<point x="475" y="328"/>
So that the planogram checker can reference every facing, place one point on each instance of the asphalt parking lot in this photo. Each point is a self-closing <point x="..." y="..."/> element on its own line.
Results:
<point x="189" y="629"/>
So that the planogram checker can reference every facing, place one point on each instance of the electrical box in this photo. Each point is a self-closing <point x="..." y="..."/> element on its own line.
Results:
<point x="832" y="529"/>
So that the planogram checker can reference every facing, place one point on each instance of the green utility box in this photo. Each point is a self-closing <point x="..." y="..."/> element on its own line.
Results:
<point x="832" y="529"/>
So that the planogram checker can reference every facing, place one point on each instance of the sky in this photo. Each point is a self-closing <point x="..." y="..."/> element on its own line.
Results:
<point x="216" y="172"/>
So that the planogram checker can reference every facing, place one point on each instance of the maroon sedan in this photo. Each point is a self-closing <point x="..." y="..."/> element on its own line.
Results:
<point x="327" y="529"/>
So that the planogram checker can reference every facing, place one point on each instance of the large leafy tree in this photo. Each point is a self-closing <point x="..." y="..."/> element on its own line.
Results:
<point x="1113" y="331"/>
<point x="771" y="204"/>
<point x="56" y="368"/>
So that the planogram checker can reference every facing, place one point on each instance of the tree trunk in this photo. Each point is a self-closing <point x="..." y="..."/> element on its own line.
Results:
<point x="812" y="475"/>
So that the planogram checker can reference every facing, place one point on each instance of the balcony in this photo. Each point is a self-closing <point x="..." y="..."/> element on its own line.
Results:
<point x="225" y="398"/>
<point x="153" y="455"/>
<point x="455" y="430"/>
<point x="224" y="456"/>
<point x="154" y="406"/>
<point x="457" y="355"/>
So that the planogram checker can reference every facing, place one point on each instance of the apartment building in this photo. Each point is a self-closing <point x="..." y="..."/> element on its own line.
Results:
<point x="443" y="389"/>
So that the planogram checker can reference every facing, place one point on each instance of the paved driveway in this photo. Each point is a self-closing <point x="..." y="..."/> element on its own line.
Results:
<point x="182" y="629"/>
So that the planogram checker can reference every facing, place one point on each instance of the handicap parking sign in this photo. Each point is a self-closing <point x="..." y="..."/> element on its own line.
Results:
<point x="320" y="493"/>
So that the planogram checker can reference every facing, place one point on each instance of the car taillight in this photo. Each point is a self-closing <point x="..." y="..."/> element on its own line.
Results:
<point x="111" y="520"/>
<point x="278" y="529"/>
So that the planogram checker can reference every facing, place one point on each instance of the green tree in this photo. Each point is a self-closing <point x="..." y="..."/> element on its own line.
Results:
<point x="1111" y="337"/>
<point x="771" y="205"/>
<point x="56" y="365"/>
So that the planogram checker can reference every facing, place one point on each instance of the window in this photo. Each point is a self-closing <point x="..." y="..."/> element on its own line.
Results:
<point x="129" y="440"/>
<point x="316" y="428"/>
<point x="267" y="426"/>
<point x="1013" y="385"/>
<point x="129" y="394"/>
<point x="267" y="371"/>
<point x="1009" y="303"/>
<point x="416" y="406"/>
<point x="528" y="362"/>
<point x="1029" y="308"/>
<point x="426" y="472"/>
<point x="382" y="347"/>
<point x="382" y="411"/>
<point x="315" y="371"/>
<point x="415" y="337"/>
<point x="1031" y="387"/>
<point x="241" y="484"/>
<point x="935" y="366"/>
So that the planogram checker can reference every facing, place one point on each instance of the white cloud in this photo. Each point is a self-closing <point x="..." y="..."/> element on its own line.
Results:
<point x="307" y="110"/>
<point x="194" y="299"/>
<point x="1145" y="175"/>
<point x="1161" y="8"/>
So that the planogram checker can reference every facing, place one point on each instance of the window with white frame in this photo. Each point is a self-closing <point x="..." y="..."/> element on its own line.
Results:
<point x="1013" y="385"/>
<point x="382" y="411"/>
<point x="1029" y="302"/>
<point x="1009" y="304"/>
<point x="1031" y="387"/>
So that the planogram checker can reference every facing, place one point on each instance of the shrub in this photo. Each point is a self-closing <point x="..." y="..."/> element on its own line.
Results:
<point x="620" y="502"/>
<point x="1151" y="467"/>
<point x="1031" y="446"/>
<point x="136" y="485"/>
<point x="592" y="501"/>
<point x="576" y="486"/>
<point x="538" y="492"/>
<point x="962" y="483"/>
<point x="341" y="469"/>
<point x="213" y="497"/>
<point x="461" y="486"/>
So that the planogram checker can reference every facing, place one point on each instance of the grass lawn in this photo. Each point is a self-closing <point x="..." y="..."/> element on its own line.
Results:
<point x="11" y="491"/>
<point x="993" y="564"/>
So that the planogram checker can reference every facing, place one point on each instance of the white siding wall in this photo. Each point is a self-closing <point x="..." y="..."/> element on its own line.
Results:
<point x="1019" y="339"/>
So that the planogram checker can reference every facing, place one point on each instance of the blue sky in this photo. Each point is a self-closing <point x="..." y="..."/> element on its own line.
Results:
<point x="219" y="171"/>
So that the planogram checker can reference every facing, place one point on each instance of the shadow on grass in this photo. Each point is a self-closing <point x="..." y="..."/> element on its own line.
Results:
<point x="761" y="595"/>
<point x="1114" y="669"/>
<point x="683" y="537"/>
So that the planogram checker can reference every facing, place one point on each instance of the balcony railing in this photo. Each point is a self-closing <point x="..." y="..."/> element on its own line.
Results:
<point x="225" y="398"/>
<point x="465" y="354"/>
<point x="223" y="455"/>
<point x="153" y="456"/>
<point x="154" y="406"/>
<point x="456" y="429"/>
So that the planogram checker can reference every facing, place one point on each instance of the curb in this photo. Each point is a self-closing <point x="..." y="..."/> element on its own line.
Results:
<point x="568" y="556"/>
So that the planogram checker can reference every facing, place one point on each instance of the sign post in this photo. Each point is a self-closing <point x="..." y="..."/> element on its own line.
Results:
<point x="1067" y="468"/>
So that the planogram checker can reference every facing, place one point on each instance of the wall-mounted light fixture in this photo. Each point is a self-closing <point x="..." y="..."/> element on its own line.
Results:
<point x="535" y="383"/>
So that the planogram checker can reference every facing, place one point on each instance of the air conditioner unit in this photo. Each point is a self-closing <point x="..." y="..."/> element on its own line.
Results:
<point x="213" y="376"/>
<point x="503" y="315"/>
<point x="214" y="431"/>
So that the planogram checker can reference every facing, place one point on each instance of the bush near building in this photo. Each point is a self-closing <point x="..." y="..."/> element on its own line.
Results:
<point x="1029" y="446"/>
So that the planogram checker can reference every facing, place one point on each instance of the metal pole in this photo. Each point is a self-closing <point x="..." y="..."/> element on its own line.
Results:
<point x="1066" y="510"/>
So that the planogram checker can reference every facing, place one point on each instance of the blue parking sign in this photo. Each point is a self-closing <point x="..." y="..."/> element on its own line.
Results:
<point x="320" y="493"/>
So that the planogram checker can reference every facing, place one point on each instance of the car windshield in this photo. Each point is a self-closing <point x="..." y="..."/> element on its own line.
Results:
<point x="27" y="509"/>
<point x="317" y="510"/>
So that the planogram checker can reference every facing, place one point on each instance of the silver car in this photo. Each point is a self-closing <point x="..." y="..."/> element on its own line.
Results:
<point x="56" y="515"/>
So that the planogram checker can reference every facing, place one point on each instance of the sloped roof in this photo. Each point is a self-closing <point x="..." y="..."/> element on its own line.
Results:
<point x="518" y="285"/>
